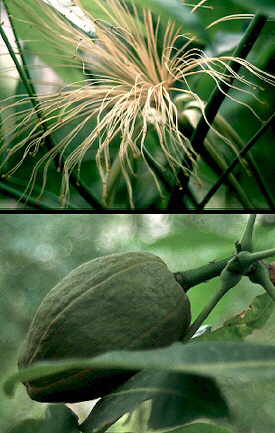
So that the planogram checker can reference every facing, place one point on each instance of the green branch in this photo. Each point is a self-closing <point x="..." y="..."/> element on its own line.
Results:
<point x="246" y="242"/>
<point x="205" y="313"/>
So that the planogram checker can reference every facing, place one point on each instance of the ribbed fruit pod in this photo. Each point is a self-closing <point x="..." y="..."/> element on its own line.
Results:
<point x="125" y="301"/>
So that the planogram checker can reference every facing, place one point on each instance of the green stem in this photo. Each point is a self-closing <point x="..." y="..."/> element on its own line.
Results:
<point x="212" y="107"/>
<point x="205" y="313"/>
<point x="246" y="241"/>
<point x="236" y="161"/>
<point x="228" y="281"/>
<point x="195" y="276"/>
<point x="260" y="255"/>
<point x="25" y="77"/>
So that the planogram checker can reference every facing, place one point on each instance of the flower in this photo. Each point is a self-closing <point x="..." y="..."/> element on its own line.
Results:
<point x="135" y="71"/>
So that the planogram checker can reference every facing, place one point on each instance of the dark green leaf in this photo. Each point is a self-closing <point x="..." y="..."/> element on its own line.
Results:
<point x="262" y="6"/>
<point x="175" y="9"/>
<point x="141" y="387"/>
<point x="172" y="394"/>
<point x="193" y="397"/>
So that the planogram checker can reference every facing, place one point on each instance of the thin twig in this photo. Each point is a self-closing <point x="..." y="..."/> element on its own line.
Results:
<point x="234" y="163"/>
<point x="252" y="166"/>
<point x="212" y="107"/>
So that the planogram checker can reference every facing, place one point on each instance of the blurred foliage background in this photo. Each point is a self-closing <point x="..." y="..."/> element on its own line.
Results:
<point x="37" y="250"/>
<point x="48" y="75"/>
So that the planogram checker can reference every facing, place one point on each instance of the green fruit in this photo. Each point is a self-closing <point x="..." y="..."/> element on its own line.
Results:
<point x="123" y="301"/>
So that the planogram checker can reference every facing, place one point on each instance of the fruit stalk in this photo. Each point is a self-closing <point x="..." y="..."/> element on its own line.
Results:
<point x="193" y="277"/>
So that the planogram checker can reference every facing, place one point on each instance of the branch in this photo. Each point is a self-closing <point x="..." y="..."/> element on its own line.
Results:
<point x="236" y="161"/>
<point x="212" y="108"/>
